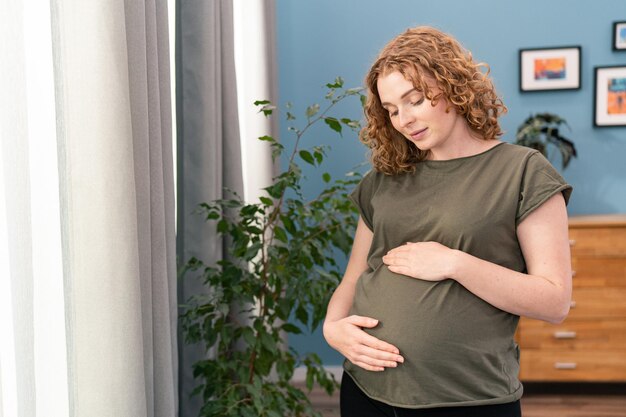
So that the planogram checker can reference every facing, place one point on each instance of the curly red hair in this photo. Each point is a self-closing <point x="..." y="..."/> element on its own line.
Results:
<point x="420" y="54"/>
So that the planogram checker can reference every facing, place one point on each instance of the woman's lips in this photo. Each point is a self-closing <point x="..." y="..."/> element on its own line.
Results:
<point x="418" y="133"/>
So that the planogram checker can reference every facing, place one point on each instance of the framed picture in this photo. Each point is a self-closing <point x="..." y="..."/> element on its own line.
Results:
<point x="545" y="69"/>
<point x="609" y="105"/>
<point x="619" y="36"/>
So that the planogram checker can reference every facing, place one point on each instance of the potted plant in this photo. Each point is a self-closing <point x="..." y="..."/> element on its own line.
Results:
<point x="277" y="279"/>
<point x="541" y="130"/>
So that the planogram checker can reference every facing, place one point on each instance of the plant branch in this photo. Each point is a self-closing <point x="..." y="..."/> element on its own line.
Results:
<point x="299" y="134"/>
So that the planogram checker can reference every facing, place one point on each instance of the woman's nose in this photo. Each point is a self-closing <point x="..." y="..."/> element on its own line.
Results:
<point x="405" y="118"/>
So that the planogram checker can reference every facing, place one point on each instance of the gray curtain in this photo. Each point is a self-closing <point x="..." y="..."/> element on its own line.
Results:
<point x="147" y="38"/>
<point x="209" y="155"/>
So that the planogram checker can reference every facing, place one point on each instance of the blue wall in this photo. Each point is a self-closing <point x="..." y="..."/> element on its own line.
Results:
<point x="320" y="39"/>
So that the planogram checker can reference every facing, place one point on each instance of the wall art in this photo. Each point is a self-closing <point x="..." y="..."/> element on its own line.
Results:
<point x="610" y="96"/>
<point x="547" y="69"/>
<point x="619" y="36"/>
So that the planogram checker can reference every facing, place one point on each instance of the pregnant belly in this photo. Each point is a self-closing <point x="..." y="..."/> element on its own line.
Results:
<point x="419" y="317"/>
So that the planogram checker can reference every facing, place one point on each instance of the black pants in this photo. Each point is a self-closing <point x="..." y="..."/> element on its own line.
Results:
<point x="354" y="403"/>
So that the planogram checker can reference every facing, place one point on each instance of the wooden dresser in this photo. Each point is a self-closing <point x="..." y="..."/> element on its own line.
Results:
<point x="590" y="345"/>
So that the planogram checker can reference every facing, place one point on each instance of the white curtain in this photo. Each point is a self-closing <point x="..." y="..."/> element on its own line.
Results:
<point x="87" y="256"/>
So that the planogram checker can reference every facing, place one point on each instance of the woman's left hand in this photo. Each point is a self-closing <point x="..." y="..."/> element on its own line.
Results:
<point x="429" y="261"/>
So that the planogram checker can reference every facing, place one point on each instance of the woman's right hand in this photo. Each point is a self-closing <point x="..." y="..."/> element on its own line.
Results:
<point x="364" y="350"/>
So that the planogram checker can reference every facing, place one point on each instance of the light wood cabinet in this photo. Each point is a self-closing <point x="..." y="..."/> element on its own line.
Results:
<point x="590" y="345"/>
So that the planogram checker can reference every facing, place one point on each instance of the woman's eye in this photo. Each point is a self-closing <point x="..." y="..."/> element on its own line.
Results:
<point x="417" y="102"/>
<point x="393" y="113"/>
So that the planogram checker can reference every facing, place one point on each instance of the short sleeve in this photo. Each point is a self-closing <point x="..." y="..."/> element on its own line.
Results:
<point x="361" y="196"/>
<point x="540" y="182"/>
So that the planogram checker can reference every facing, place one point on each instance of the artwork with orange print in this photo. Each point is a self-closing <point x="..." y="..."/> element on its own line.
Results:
<point x="616" y="96"/>
<point x="550" y="69"/>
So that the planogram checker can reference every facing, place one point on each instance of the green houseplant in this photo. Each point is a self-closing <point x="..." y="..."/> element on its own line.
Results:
<point x="541" y="130"/>
<point x="277" y="279"/>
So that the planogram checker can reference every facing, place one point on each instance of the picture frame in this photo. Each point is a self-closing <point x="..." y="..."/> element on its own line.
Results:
<point x="619" y="36"/>
<point x="550" y="69"/>
<point x="609" y="105"/>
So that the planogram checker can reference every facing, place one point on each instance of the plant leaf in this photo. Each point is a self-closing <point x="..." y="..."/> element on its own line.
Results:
<point x="333" y="124"/>
<point x="312" y="110"/>
<point x="363" y="99"/>
<point x="337" y="84"/>
<point x="291" y="328"/>
<point x="307" y="157"/>
<point x="280" y="234"/>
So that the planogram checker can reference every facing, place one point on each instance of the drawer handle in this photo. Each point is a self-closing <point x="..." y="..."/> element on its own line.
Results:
<point x="564" y="334"/>
<point x="565" y="365"/>
<point x="572" y="242"/>
<point x="572" y="304"/>
<point x="573" y="273"/>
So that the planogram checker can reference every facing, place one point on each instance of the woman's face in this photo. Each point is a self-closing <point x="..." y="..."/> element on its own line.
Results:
<point x="429" y="127"/>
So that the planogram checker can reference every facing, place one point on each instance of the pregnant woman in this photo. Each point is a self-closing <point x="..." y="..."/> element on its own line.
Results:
<point x="459" y="234"/>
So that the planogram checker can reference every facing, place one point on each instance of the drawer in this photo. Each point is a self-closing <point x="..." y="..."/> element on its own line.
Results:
<point x="573" y="335"/>
<point x="598" y="272"/>
<point x="552" y="365"/>
<point x="595" y="303"/>
<point x="598" y="241"/>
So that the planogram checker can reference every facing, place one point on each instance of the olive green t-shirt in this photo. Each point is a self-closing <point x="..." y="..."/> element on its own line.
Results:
<point x="458" y="349"/>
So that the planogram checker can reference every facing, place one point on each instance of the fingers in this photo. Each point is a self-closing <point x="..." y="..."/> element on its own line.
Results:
<point x="398" y="255"/>
<point x="363" y="349"/>
<point x="374" y="343"/>
<point x="382" y="358"/>
<point x="397" y="259"/>
<point x="399" y="264"/>
<point x="373" y="359"/>
<point x="370" y="340"/>
<point x="361" y="321"/>
<point x="368" y="367"/>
